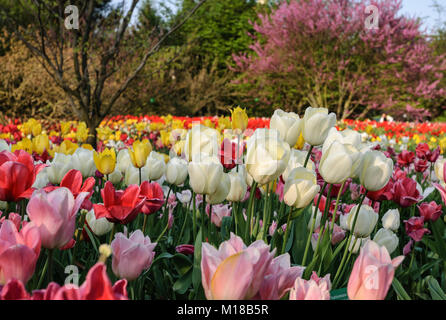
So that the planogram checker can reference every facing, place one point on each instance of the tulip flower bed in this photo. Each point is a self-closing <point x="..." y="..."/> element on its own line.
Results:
<point x="285" y="207"/>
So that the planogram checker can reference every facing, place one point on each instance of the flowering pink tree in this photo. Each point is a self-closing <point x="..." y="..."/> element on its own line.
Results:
<point x="322" y="53"/>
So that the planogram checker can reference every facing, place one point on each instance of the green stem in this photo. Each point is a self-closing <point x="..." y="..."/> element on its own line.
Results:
<point x="307" y="246"/>
<point x="144" y="224"/>
<point x="163" y="232"/>
<point x="287" y="231"/>
<point x="78" y="236"/>
<point x="112" y="234"/>
<point x="333" y="218"/>
<point x="194" y="216"/>
<point x="308" y="156"/>
<point x="50" y="265"/>
<point x="248" y="230"/>
<point x="42" y="275"/>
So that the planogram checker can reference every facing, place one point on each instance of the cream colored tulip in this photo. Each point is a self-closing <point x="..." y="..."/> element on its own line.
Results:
<point x="288" y="124"/>
<point x="201" y="140"/>
<point x="300" y="188"/>
<point x="176" y="171"/>
<point x="205" y="175"/>
<point x="365" y="223"/>
<point x="297" y="159"/>
<point x="336" y="164"/>
<point x="316" y="124"/>
<point x="375" y="170"/>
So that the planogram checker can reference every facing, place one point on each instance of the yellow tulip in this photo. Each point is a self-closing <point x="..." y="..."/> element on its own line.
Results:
<point x="41" y="143"/>
<point x="65" y="127"/>
<point x="66" y="147"/>
<point x="82" y="132"/>
<point x="105" y="161"/>
<point x="36" y="129"/>
<point x="239" y="119"/>
<point x="24" y="144"/>
<point x="140" y="152"/>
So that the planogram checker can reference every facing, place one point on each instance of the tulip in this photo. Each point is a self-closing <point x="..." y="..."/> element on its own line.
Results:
<point x="439" y="169"/>
<point x="120" y="206"/>
<point x="201" y="140"/>
<point x="219" y="211"/>
<point x="365" y="223"/>
<point x="59" y="167"/>
<point x="140" y="152"/>
<point x="132" y="255"/>
<point x="99" y="226"/>
<point x="17" y="175"/>
<point x="288" y="124"/>
<point x="239" y="187"/>
<point x="105" y="161"/>
<point x="115" y="177"/>
<point x="234" y="271"/>
<point x="239" y="119"/>
<point x="185" y="249"/>
<point x="205" y="175"/>
<point x="391" y="219"/>
<point x="131" y="175"/>
<point x="267" y="156"/>
<point x="346" y="136"/>
<point x="228" y="153"/>
<point x="54" y="214"/>
<point x="316" y="125"/>
<point x="176" y="171"/>
<point x="82" y="160"/>
<point x="415" y="228"/>
<point x="356" y="244"/>
<point x="123" y="160"/>
<point x="405" y="158"/>
<point x="430" y="211"/>
<point x="4" y="146"/>
<point x="222" y="190"/>
<point x="314" y="289"/>
<point x="385" y="237"/>
<point x="300" y="188"/>
<point x="155" y="166"/>
<point x="19" y="251"/>
<point x="184" y="197"/>
<point x="153" y="196"/>
<point x="297" y="159"/>
<point x="375" y="170"/>
<point x="372" y="273"/>
<point x="41" y="143"/>
<point x="336" y="164"/>
<point x="405" y="192"/>
<point x="423" y="151"/>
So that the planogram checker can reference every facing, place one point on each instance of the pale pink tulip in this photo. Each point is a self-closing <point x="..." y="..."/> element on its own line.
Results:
<point x="19" y="251"/>
<point x="237" y="272"/>
<point x="314" y="289"/>
<point x="131" y="255"/>
<point x="54" y="214"/>
<point x="219" y="211"/>
<point x="372" y="273"/>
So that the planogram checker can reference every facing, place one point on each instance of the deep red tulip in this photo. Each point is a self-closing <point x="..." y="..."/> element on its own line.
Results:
<point x="17" y="175"/>
<point x="185" y="249"/>
<point x="405" y="158"/>
<point x="154" y="197"/>
<point x="422" y="151"/>
<point x="433" y="156"/>
<point x="405" y="192"/>
<point x="119" y="206"/>
<point x="430" y="211"/>
<point x="421" y="165"/>
<point x="415" y="228"/>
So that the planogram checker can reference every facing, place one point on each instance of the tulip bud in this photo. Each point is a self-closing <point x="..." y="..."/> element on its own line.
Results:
<point x="391" y="219"/>
<point x="375" y="170"/>
<point x="155" y="165"/>
<point x="316" y="124"/>
<point x="123" y="160"/>
<point x="105" y="161"/>
<point x="239" y="119"/>
<point x="336" y="164"/>
<point x="385" y="237"/>
<point x="238" y="185"/>
<point x="205" y="175"/>
<point x="115" y="177"/>
<point x="288" y="124"/>
<point x="176" y="171"/>
<point x="297" y="159"/>
<point x="365" y="223"/>
<point x="82" y="161"/>
<point x="99" y="226"/>
<point x="346" y="136"/>
<point x="300" y="188"/>
<point x="140" y="152"/>
<point x="222" y="190"/>
<point x="439" y="169"/>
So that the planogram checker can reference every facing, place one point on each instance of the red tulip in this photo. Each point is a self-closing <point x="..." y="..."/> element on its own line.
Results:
<point x="17" y="175"/>
<point x="430" y="211"/>
<point x="405" y="158"/>
<point x="19" y="251"/>
<point x="423" y="151"/>
<point x="415" y="228"/>
<point x="442" y="191"/>
<point x="383" y="194"/>
<point x="153" y="195"/>
<point x="421" y="165"/>
<point x="228" y="153"/>
<point x="119" y="206"/>
<point x="405" y="192"/>
<point x="433" y="156"/>
<point x="14" y="290"/>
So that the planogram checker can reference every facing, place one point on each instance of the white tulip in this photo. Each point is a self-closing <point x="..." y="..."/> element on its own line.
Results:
<point x="184" y="196"/>
<point x="316" y="124"/>
<point x="375" y="170"/>
<point x="391" y="219"/>
<point x="439" y="169"/>
<point x="365" y="223"/>
<point x="346" y="136"/>
<point x="205" y="175"/>
<point x="357" y="243"/>
<point x="59" y="167"/>
<point x="99" y="226"/>
<point x="155" y="165"/>
<point x="336" y="163"/>
<point x="176" y="171"/>
<point x="288" y="124"/>
<point x="222" y="190"/>
<point x="4" y="146"/>
<point x="41" y="180"/>
<point x="300" y="188"/>
<point x="297" y="159"/>
<point x="131" y="175"/>
<point x="123" y="160"/>
<point x="115" y="177"/>
<point x="201" y="140"/>
<point x="82" y="160"/>
<point x="267" y="156"/>
<point x="238" y="185"/>
<point x="385" y="237"/>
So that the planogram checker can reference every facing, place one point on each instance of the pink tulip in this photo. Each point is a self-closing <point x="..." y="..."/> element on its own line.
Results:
<point x="54" y="214"/>
<point x="314" y="289"/>
<point x="372" y="273"/>
<point x="131" y="255"/>
<point x="19" y="251"/>
<point x="237" y="272"/>
<point x="219" y="211"/>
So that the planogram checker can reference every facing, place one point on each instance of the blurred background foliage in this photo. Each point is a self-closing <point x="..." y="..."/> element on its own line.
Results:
<point x="195" y="72"/>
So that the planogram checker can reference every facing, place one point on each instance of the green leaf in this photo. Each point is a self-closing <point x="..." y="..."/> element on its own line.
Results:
<point x="183" y="283"/>
<point x="300" y="235"/>
<point x="438" y="228"/>
<point x="401" y="293"/>
<point x="435" y="290"/>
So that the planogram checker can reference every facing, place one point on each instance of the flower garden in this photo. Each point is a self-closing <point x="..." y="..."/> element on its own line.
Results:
<point x="291" y="207"/>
